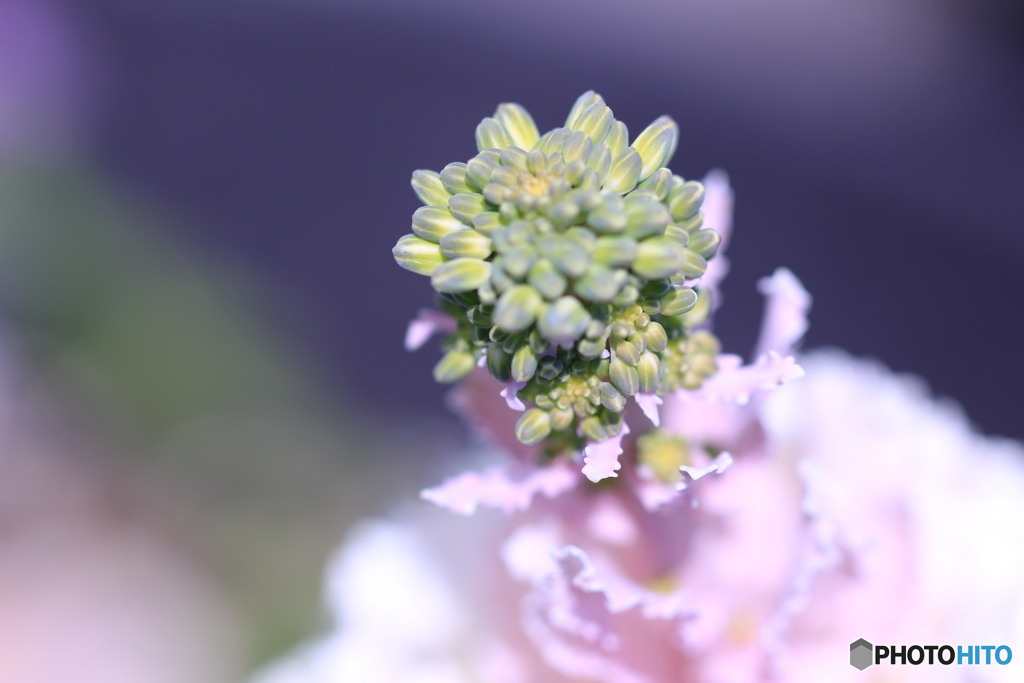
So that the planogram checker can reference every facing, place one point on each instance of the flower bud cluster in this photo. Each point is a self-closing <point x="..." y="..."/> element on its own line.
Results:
<point x="568" y="261"/>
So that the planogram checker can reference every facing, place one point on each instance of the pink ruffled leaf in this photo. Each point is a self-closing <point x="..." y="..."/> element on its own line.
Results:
<point x="426" y="324"/>
<point x="510" y="489"/>
<point x="601" y="459"/>
<point x="785" y="316"/>
<point x="649" y="403"/>
<point x="510" y="394"/>
<point x="736" y="383"/>
<point x="691" y="474"/>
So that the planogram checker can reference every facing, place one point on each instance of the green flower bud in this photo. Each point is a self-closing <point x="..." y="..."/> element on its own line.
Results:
<point x="499" y="363"/>
<point x="480" y="316"/>
<point x="518" y="124"/>
<point x="546" y="279"/>
<point x="417" y="254"/>
<point x="627" y="352"/>
<point x="658" y="184"/>
<point x="583" y="102"/>
<point x="590" y="348"/>
<point x="658" y="257"/>
<point x="565" y="319"/>
<point x="428" y="187"/>
<point x="524" y="364"/>
<point x="627" y="296"/>
<point x="705" y="242"/>
<point x="491" y="134"/>
<point x="577" y="147"/>
<point x="685" y="201"/>
<point x="466" y="205"/>
<point x="623" y="377"/>
<point x="600" y="161"/>
<point x="624" y="172"/>
<point x="656" y="145"/>
<point x="517" y="308"/>
<point x="656" y="337"/>
<point x="533" y="426"/>
<point x="648" y="371"/>
<point x="645" y="216"/>
<point x="453" y="177"/>
<point x="568" y="256"/>
<point x="561" y="418"/>
<point x="564" y="212"/>
<point x="602" y="426"/>
<point x="700" y="312"/>
<point x="655" y="289"/>
<point x="466" y="243"/>
<point x="614" y="251"/>
<point x="594" y="121"/>
<point x="692" y="224"/>
<point x="453" y="366"/>
<point x="678" y="301"/>
<point x="480" y="168"/>
<point x="608" y="218"/>
<point x="617" y="138"/>
<point x="693" y="264"/>
<point x="514" y="160"/>
<point x="678" y="234"/>
<point x="461" y="275"/>
<point x="434" y="222"/>
<point x="554" y="143"/>
<point x="549" y="367"/>
<point x="487" y="222"/>
<point x="593" y="429"/>
<point x="611" y="398"/>
<point x="600" y="283"/>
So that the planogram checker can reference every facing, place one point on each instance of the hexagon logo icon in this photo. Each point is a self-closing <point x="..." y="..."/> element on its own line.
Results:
<point x="861" y="654"/>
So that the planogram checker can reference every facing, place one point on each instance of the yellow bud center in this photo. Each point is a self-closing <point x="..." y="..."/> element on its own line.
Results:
<point x="535" y="185"/>
<point x="663" y="455"/>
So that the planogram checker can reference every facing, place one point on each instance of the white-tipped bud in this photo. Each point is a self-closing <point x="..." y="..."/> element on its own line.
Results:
<point x="428" y="187"/>
<point x="460" y="275"/>
<point x="656" y="145"/>
<point x="490" y="134"/>
<point x="518" y="124"/>
<point x="417" y="254"/>
<point x="624" y="172"/>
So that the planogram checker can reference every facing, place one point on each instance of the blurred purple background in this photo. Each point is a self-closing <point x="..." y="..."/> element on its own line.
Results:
<point x="198" y="200"/>
<point x="876" y="148"/>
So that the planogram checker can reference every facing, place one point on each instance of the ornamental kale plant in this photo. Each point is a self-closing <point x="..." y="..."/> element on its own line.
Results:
<point x="669" y="516"/>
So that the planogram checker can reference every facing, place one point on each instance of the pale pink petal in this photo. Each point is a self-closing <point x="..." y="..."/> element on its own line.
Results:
<point x="785" y="316"/>
<point x="601" y="459"/>
<point x="737" y="383"/>
<point x="654" y="493"/>
<point x="701" y="421"/>
<point x="479" y="401"/>
<point x="509" y="393"/>
<point x="570" y="611"/>
<point x="610" y="522"/>
<point x="691" y="474"/>
<point x="506" y="488"/>
<point x="649" y="403"/>
<point x="426" y="324"/>
<point x="620" y="593"/>
<point x="718" y="200"/>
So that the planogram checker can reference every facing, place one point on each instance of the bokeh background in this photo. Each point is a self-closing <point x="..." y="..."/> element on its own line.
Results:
<point x="202" y="383"/>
